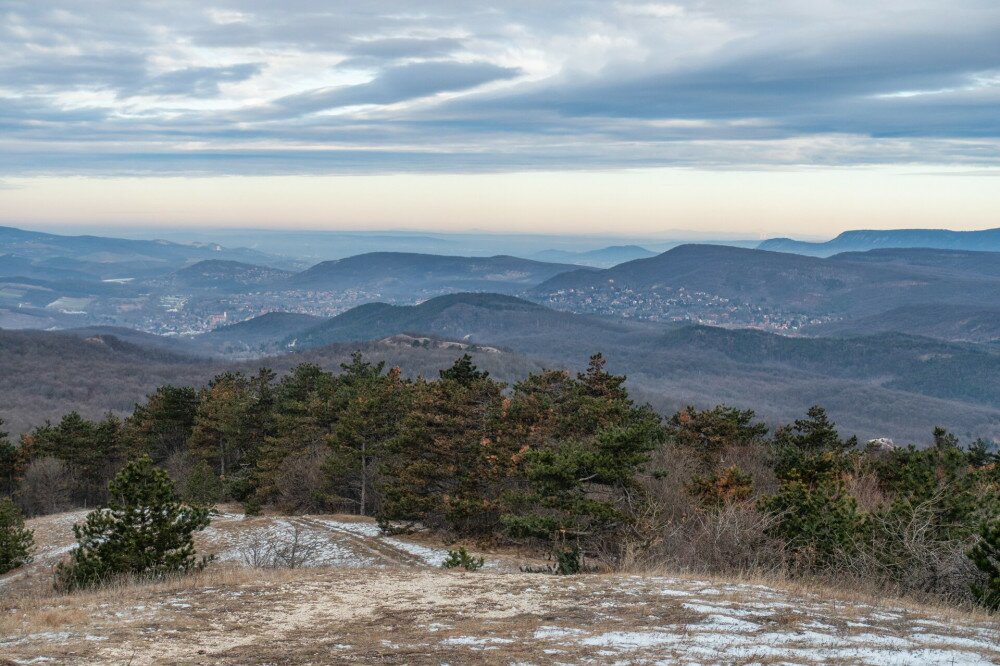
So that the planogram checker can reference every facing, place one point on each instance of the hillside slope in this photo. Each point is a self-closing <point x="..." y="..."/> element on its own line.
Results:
<point x="227" y="275"/>
<point x="730" y="281"/>
<point x="408" y="275"/>
<point x="956" y="323"/>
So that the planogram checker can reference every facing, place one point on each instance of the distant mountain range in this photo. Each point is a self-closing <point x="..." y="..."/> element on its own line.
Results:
<point x="105" y="257"/>
<point x="602" y="258"/>
<point x="987" y="240"/>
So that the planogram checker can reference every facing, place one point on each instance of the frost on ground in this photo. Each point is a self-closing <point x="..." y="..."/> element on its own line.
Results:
<point x="375" y="599"/>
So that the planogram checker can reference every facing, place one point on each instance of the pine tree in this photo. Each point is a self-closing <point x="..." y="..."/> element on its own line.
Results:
<point x="443" y="468"/>
<point x="203" y="487"/>
<point x="985" y="554"/>
<point x="707" y="433"/>
<point x="303" y="414"/>
<point x="578" y="491"/>
<point x="371" y="410"/>
<point x="16" y="542"/>
<point x="818" y="522"/>
<point x="161" y="427"/>
<point x="811" y="450"/>
<point x="91" y="451"/>
<point x="463" y="371"/>
<point x="142" y="531"/>
<point x="231" y="424"/>
<point x="9" y="464"/>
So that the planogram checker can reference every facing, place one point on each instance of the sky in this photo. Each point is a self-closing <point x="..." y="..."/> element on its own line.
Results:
<point x="725" y="117"/>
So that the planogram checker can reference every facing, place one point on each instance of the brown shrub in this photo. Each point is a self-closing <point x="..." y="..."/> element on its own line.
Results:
<point x="46" y="487"/>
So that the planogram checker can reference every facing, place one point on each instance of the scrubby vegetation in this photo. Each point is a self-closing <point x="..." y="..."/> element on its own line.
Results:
<point x="567" y="465"/>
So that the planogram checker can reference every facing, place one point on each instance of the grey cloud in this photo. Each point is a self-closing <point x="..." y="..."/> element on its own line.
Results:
<point x="197" y="81"/>
<point x="405" y="47"/>
<point x="741" y="84"/>
<point x="395" y="84"/>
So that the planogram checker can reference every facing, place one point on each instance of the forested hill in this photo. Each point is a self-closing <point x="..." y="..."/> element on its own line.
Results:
<point x="716" y="278"/>
<point x="408" y="274"/>
<point x="480" y="318"/>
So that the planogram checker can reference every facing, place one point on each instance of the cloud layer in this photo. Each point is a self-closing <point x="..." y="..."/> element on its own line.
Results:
<point x="311" y="86"/>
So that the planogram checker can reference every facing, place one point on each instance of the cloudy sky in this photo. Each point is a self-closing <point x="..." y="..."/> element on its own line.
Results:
<point x="715" y="116"/>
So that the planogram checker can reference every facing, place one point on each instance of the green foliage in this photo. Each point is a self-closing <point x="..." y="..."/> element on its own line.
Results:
<point x="303" y="413"/>
<point x="162" y="425"/>
<point x="252" y="507"/>
<point x="90" y="450"/>
<point x="16" y="541"/>
<point x="142" y="531"/>
<point x="811" y="449"/>
<point x="578" y="489"/>
<point x="942" y="482"/>
<point x="9" y="464"/>
<point x="447" y="465"/>
<point x="371" y="407"/>
<point x="569" y="561"/>
<point x="985" y="554"/>
<point x="710" y="431"/>
<point x="203" y="487"/>
<point x="464" y="372"/>
<point x="460" y="558"/>
<point x="818" y="523"/>
<point x="231" y="422"/>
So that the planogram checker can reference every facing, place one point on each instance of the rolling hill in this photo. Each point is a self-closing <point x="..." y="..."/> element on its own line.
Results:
<point x="886" y="384"/>
<point x="471" y="317"/>
<point x="864" y="240"/>
<point x="711" y="279"/>
<point x="409" y="276"/>
<point x="263" y="334"/>
<point x="227" y="276"/>
<point x="955" y="323"/>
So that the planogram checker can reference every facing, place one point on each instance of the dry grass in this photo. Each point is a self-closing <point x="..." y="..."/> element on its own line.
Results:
<point x="409" y="612"/>
<point x="228" y="615"/>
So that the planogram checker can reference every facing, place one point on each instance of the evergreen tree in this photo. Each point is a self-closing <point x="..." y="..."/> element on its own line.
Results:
<point x="231" y="423"/>
<point x="810" y="450"/>
<point x="463" y="371"/>
<point x="161" y="427"/>
<point x="985" y="554"/>
<point x="303" y="414"/>
<point x="709" y="432"/>
<point x="9" y="464"/>
<point x="445" y="467"/>
<point x="143" y="531"/>
<point x="203" y="487"/>
<point x="371" y="410"/>
<point x="818" y="522"/>
<point x="16" y="542"/>
<point x="91" y="452"/>
<point x="578" y="491"/>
